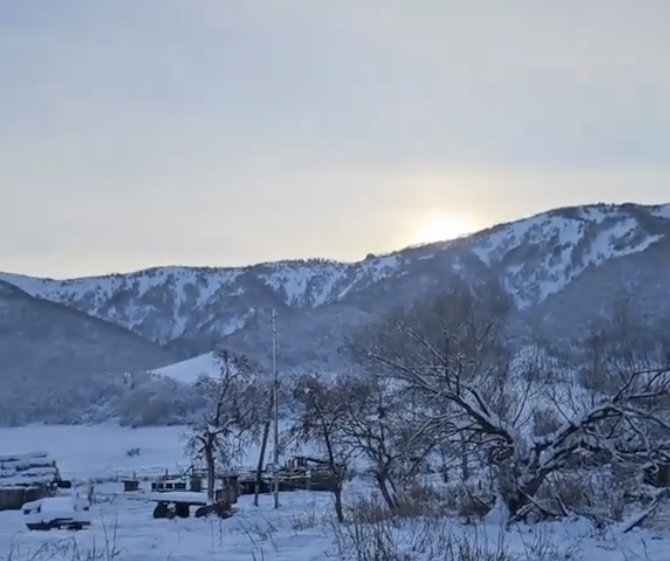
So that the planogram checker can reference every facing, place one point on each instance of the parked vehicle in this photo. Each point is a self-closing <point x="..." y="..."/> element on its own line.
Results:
<point x="57" y="513"/>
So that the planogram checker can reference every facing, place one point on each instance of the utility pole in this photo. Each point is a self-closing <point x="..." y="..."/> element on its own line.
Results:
<point x="276" y="409"/>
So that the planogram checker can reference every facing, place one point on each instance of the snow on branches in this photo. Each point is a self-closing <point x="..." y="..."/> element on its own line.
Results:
<point x="450" y="353"/>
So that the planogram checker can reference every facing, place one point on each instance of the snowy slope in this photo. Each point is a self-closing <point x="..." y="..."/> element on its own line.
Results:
<point x="103" y="296"/>
<point x="188" y="371"/>
<point x="541" y="255"/>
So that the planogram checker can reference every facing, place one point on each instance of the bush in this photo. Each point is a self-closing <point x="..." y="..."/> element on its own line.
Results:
<point x="595" y="494"/>
<point x="470" y="501"/>
<point x="373" y="535"/>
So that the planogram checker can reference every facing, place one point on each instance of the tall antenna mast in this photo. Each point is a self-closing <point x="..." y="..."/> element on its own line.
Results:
<point x="276" y="409"/>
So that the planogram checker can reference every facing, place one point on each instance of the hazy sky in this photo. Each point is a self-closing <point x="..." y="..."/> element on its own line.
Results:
<point x="220" y="132"/>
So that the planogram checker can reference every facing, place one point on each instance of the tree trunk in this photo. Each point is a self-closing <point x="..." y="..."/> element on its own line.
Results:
<point x="336" y="471"/>
<point x="516" y="495"/>
<point x="388" y="499"/>
<point x="339" y="509"/>
<point x="261" y="458"/>
<point x="209" y="459"/>
<point x="465" y="471"/>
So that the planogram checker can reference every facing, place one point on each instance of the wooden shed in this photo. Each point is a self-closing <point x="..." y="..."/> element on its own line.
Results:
<point x="25" y="478"/>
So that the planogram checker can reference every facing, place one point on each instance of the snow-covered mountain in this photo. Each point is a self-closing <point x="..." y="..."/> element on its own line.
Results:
<point x="166" y="303"/>
<point x="537" y="259"/>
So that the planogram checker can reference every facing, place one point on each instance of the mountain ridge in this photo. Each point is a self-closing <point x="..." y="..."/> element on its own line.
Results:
<point x="19" y="310"/>
<point x="194" y="308"/>
<point x="55" y="358"/>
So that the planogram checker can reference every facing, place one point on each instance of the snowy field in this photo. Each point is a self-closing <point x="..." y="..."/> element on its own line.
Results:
<point x="100" y="451"/>
<point x="300" y="530"/>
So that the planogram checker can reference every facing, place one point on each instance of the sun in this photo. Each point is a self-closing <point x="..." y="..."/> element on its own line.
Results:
<point x="442" y="228"/>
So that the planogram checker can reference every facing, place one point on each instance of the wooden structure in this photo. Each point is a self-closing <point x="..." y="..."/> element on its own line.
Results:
<point x="228" y="495"/>
<point x="221" y="509"/>
<point x="176" y="504"/>
<point x="196" y="483"/>
<point x="27" y="477"/>
<point x="231" y="487"/>
<point x="13" y="498"/>
<point x="175" y="501"/>
<point x="299" y="474"/>
<point x="131" y="485"/>
<point x="168" y="485"/>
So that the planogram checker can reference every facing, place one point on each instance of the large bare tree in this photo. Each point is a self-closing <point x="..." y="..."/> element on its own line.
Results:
<point x="230" y="417"/>
<point x="378" y="426"/>
<point x="449" y="350"/>
<point x="322" y="406"/>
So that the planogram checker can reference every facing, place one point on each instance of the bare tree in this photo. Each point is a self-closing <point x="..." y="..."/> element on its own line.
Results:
<point x="229" y="420"/>
<point x="618" y="343"/>
<point x="322" y="409"/>
<point x="455" y="334"/>
<point x="378" y="425"/>
<point x="449" y="350"/>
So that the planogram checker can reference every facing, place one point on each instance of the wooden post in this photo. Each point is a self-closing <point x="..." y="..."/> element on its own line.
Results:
<point x="91" y="492"/>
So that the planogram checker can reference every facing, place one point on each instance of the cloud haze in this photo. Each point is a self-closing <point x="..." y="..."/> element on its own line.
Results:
<point x="163" y="131"/>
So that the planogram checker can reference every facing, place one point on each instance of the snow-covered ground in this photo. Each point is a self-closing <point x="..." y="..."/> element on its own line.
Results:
<point x="100" y="451"/>
<point x="125" y="526"/>
<point x="188" y="371"/>
<point x="299" y="530"/>
<point x="85" y="452"/>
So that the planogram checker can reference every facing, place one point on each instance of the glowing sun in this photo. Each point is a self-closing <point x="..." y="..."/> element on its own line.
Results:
<point x="443" y="227"/>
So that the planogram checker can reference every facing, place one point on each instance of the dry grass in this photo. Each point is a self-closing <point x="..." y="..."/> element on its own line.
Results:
<point x="373" y="535"/>
<point x="424" y="531"/>
<point x="598" y="496"/>
<point x="306" y="519"/>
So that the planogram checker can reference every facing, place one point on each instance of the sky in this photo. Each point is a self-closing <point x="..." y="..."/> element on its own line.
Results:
<point x="136" y="133"/>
